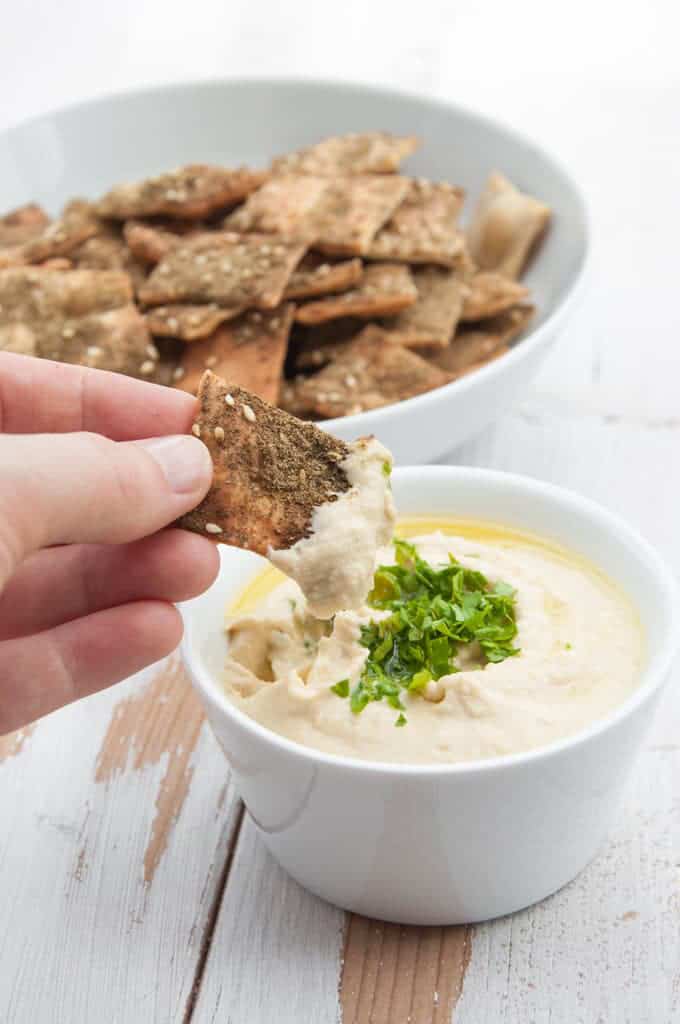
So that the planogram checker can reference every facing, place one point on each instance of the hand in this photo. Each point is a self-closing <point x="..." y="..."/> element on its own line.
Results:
<point x="78" y="617"/>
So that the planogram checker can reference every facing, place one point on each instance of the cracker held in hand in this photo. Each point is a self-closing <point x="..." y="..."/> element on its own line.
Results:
<point x="383" y="289"/>
<point x="505" y="226"/>
<point x="355" y="153"/>
<point x="474" y="346"/>
<point x="423" y="228"/>
<point x="291" y="492"/>
<point x="250" y="351"/>
<point x="75" y="316"/>
<point x="271" y="470"/>
<point x="190" y="192"/>
<point x="370" y="372"/>
<point x="431" y="321"/>
<point x="235" y="271"/>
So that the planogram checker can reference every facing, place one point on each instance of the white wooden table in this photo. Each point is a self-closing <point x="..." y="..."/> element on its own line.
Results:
<point x="133" y="889"/>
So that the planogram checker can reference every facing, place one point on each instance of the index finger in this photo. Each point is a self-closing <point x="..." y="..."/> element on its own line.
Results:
<point x="41" y="396"/>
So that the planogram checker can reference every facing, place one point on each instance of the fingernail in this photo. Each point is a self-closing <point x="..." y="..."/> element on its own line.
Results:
<point x="185" y="461"/>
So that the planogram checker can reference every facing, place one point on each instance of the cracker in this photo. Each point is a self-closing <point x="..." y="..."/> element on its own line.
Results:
<point x="250" y="351"/>
<point x="489" y="294"/>
<point x="473" y="346"/>
<point x="316" y="277"/>
<point x="431" y="321"/>
<point x="191" y="193"/>
<point x="505" y="226"/>
<point x="75" y="316"/>
<point x="234" y="271"/>
<point x="282" y="206"/>
<point x="313" y="347"/>
<point x="22" y="224"/>
<point x="355" y="153"/>
<point x="370" y="372"/>
<point x="187" y="322"/>
<point x="270" y="470"/>
<point x="423" y="228"/>
<point x="59" y="238"/>
<point x="353" y="209"/>
<point x="149" y="243"/>
<point x="107" y="250"/>
<point x="384" y="288"/>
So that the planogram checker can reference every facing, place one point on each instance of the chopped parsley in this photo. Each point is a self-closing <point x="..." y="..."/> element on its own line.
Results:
<point x="433" y="612"/>
<point x="402" y="720"/>
<point x="387" y="468"/>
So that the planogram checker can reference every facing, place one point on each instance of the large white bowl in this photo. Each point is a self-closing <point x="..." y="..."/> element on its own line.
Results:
<point x="84" y="149"/>
<point x="459" y="843"/>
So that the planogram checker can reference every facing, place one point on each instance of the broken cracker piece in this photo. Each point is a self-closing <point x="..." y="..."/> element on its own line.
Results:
<point x="384" y="288"/>
<point x="316" y="277"/>
<point x="352" y="210"/>
<point x="149" y="243"/>
<point x="432" y="319"/>
<point x="22" y="224"/>
<point x="370" y="372"/>
<point x="191" y="193"/>
<point x="423" y="228"/>
<point x="58" y="238"/>
<point x="234" y="271"/>
<point x="74" y="316"/>
<point x="282" y="206"/>
<point x="471" y="347"/>
<point x="489" y="294"/>
<point x="355" y="153"/>
<point x="250" y="351"/>
<point x="288" y="490"/>
<point x="186" y="321"/>
<point x="505" y="226"/>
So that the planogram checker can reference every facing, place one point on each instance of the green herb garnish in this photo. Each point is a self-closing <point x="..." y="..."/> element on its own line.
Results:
<point x="434" y="611"/>
<point x="387" y="468"/>
<point x="341" y="688"/>
<point x="402" y="720"/>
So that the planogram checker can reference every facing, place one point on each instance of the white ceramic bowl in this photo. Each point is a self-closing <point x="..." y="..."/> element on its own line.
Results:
<point x="84" y="149"/>
<point x="459" y="843"/>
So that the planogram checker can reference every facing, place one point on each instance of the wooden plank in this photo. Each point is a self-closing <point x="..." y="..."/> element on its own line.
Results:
<point x="118" y="815"/>
<point x="276" y="950"/>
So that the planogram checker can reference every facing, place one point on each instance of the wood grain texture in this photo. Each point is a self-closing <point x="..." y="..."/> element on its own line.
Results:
<point x="87" y="932"/>
<point x="392" y="972"/>
<point x="276" y="950"/>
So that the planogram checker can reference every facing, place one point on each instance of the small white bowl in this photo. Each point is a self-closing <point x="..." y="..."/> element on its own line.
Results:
<point x="446" y="844"/>
<point x="84" y="149"/>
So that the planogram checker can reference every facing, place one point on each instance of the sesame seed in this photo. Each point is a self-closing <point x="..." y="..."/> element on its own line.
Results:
<point x="212" y="528"/>
<point x="219" y="434"/>
<point x="246" y="272"/>
<point x="248" y="413"/>
<point x="152" y="352"/>
<point x="173" y="323"/>
<point x="274" y="323"/>
<point x="303" y="476"/>
<point x="350" y="381"/>
<point x="147" y="367"/>
<point x="226" y="266"/>
<point x="256" y="317"/>
<point x="178" y="373"/>
<point x="68" y="332"/>
<point x="200" y="260"/>
<point x="206" y="278"/>
<point x="229" y="400"/>
<point x="164" y="269"/>
<point x="211" y="361"/>
<point x="265" y="249"/>
<point x="323" y="269"/>
<point x="194" y="318"/>
<point x="93" y="351"/>
<point x="196" y="430"/>
<point x="246" y="332"/>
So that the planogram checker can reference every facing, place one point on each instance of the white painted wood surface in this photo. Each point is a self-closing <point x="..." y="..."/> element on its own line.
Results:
<point x="99" y="921"/>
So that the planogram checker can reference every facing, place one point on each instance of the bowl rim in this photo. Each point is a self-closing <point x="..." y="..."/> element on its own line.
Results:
<point x="652" y="677"/>
<point x="535" y="338"/>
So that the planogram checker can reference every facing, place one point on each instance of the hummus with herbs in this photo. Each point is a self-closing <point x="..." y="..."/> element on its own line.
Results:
<point x="465" y="649"/>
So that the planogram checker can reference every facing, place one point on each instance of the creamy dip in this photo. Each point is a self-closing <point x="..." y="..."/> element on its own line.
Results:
<point x="581" y="650"/>
<point x="334" y="566"/>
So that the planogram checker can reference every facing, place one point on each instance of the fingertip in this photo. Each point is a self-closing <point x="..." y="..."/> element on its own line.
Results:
<point x="185" y="463"/>
<point x="195" y="562"/>
<point x="153" y="628"/>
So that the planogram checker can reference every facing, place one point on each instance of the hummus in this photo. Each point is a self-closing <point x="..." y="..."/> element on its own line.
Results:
<point x="334" y="566"/>
<point x="580" y="651"/>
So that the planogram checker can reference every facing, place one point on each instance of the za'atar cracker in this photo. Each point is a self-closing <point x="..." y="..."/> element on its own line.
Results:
<point x="192" y="192"/>
<point x="432" y="319"/>
<point x="354" y="153"/>
<point x="384" y="288"/>
<point x="475" y="345"/>
<point x="505" y="226"/>
<point x="423" y="228"/>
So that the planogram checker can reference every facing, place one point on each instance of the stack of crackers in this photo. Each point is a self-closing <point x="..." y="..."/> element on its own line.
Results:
<point x="328" y="284"/>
